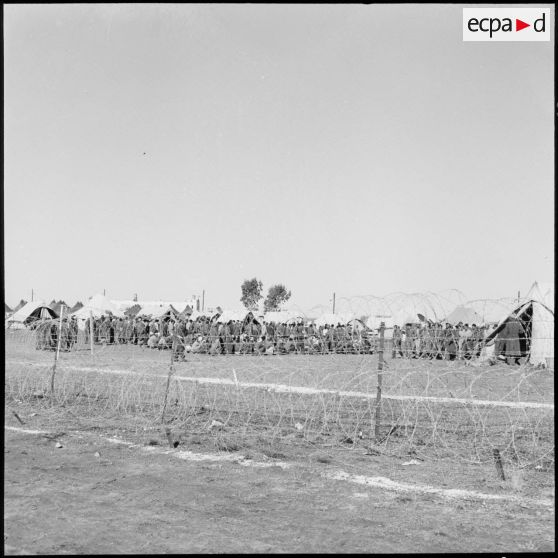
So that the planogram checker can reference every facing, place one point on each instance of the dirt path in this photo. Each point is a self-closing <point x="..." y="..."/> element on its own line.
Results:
<point x="67" y="500"/>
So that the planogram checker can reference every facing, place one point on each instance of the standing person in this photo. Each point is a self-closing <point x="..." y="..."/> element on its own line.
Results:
<point x="396" y="340"/>
<point x="451" y="346"/>
<point x="88" y="322"/>
<point x="101" y="336"/>
<point x="178" y="342"/>
<point x="64" y="335"/>
<point x="510" y="339"/>
<point x="73" y="327"/>
<point x="409" y="342"/>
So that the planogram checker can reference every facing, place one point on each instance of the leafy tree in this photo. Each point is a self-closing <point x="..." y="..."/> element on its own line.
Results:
<point x="276" y="296"/>
<point x="251" y="293"/>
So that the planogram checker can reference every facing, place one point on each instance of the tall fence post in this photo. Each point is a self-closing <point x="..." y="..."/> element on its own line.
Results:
<point x="91" y="329"/>
<point x="378" y="410"/>
<point x="57" y="350"/>
<point x="171" y="370"/>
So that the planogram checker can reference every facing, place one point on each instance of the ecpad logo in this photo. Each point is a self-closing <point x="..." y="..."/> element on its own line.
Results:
<point x="506" y="24"/>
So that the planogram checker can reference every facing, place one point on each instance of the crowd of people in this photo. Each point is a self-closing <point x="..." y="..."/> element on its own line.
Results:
<point x="47" y="332"/>
<point x="257" y="336"/>
<point x="436" y="341"/>
<point x="248" y="336"/>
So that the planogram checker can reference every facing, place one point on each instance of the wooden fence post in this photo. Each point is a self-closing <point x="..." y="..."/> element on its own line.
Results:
<point x="378" y="410"/>
<point x="91" y="329"/>
<point x="171" y="370"/>
<point x="498" y="463"/>
<point x="57" y="351"/>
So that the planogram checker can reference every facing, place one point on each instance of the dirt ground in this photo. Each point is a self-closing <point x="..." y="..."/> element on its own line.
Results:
<point x="68" y="500"/>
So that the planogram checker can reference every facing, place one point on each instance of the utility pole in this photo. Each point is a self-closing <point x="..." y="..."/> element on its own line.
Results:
<point x="333" y="303"/>
<point x="518" y="297"/>
<point x="31" y="295"/>
<point x="203" y="300"/>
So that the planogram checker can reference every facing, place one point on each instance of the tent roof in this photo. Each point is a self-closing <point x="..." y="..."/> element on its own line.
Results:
<point x="334" y="319"/>
<point x="198" y="314"/>
<point x="464" y="315"/>
<point x="57" y="306"/>
<point x="76" y="307"/>
<point x="7" y="308"/>
<point x="32" y="308"/>
<point x="21" y="304"/>
<point x="282" y="316"/>
<point x="543" y="293"/>
<point x="179" y="306"/>
<point x="239" y="315"/>
<point x="156" y="310"/>
<point x="493" y="311"/>
<point x="98" y="305"/>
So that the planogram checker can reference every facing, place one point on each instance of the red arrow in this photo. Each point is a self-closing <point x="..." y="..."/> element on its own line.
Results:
<point x="519" y="25"/>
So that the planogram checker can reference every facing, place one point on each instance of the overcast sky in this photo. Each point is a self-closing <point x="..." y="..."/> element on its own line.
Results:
<point x="162" y="150"/>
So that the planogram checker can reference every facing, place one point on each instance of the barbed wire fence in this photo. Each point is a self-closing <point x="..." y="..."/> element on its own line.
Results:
<point x="356" y="394"/>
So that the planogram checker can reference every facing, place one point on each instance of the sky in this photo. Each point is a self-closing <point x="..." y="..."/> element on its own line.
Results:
<point x="357" y="149"/>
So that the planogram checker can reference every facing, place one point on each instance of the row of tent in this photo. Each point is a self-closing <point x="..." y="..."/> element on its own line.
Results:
<point x="536" y="312"/>
<point x="405" y="311"/>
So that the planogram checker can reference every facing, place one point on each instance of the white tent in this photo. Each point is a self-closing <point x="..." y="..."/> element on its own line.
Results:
<point x="30" y="312"/>
<point x="199" y="314"/>
<point x="334" y="319"/>
<point x="98" y="305"/>
<point x="179" y="306"/>
<point x="465" y="315"/>
<point x="156" y="311"/>
<point x="492" y="311"/>
<point x="543" y="293"/>
<point x="229" y="315"/>
<point x="282" y="316"/>
<point x="538" y="321"/>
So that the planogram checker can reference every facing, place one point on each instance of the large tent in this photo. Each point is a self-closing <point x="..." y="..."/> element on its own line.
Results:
<point x="157" y="311"/>
<point x="76" y="307"/>
<point x="57" y="307"/>
<point x="179" y="306"/>
<point x="282" y="316"/>
<point x="98" y="305"/>
<point x="29" y="313"/>
<point x="464" y="315"/>
<point x="538" y="322"/>
<point x="334" y="319"/>
<point x="21" y="304"/>
<point x="194" y="315"/>
<point x="492" y="311"/>
<point x="238" y="315"/>
<point x="543" y="293"/>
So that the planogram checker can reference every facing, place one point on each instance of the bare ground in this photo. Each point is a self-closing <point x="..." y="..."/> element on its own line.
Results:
<point x="68" y="500"/>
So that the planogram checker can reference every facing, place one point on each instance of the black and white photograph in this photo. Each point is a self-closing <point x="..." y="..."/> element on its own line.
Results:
<point x="279" y="278"/>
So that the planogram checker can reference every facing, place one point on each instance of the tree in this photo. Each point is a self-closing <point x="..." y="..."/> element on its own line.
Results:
<point x="276" y="296"/>
<point x="251" y="293"/>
